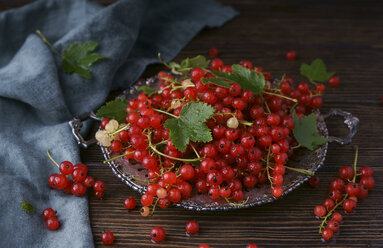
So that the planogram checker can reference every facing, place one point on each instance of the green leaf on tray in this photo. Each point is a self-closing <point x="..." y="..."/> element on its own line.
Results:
<point x="248" y="79"/>
<point x="148" y="91"/>
<point x="316" y="72"/>
<point x="190" y="125"/>
<point x="115" y="109"/>
<point x="27" y="207"/>
<point x="306" y="131"/>
<point x="79" y="57"/>
<point x="189" y="64"/>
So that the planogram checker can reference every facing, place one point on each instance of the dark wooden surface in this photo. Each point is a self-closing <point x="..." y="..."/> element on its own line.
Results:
<point x="348" y="36"/>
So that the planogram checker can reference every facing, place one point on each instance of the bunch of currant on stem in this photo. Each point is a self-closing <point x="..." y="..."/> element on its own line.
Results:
<point x="344" y="191"/>
<point x="79" y="182"/>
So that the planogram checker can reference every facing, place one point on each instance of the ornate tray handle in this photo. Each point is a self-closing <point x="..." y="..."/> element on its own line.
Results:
<point x="76" y="125"/>
<point x="351" y="122"/>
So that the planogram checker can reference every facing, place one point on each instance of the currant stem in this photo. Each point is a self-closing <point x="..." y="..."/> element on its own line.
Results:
<point x="50" y="157"/>
<point x="49" y="44"/>
<point x="140" y="180"/>
<point x="281" y="96"/>
<point x="195" y="151"/>
<point x="303" y="171"/>
<point x="163" y="62"/>
<point x="355" y="162"/>
<point x="174" y="158"/>
<point x="154" y="206"/>
<point x="268" y="167"/>
<point x="237" y="204"/>
<point x="246" y="123"/>
<point x="119" y="130"/>
<point x="296" y="147"/>
<point x="164" y="112"/>
<point x="119" y="156"/>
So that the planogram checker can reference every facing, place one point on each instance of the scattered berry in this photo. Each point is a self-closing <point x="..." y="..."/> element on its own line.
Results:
<point x="107" y="238"/>
<point x="290" y="55"/>
<point x="157" y="234"/>
<point x="192" y="227"/>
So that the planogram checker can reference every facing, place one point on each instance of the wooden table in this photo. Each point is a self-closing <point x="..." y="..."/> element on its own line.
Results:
<point x="348" y="36"/>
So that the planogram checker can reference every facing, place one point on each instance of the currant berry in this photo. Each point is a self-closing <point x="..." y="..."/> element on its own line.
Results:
<point x="78" y="189"/>
<point x="174" y="195"/>
<point x="47" y="213"/>
<point x="349" y="205"/>
<point x="144" y="211"/>
<point x="107" y="238"/>
<point x="99" y="194"/>
<point x="146" y="200"/>
<point x="99" y="186"/>
<point x="187" y="171"/>
<point x="277" y="191"/>
<point x="157" y="234"/>
<point x="192" y="227"/>
<point x="346" y="172"/>
<point x="334" y="81"/>
<point x="130" y="203"/>
<point x="352" y="189"/>
<point x="329" y="204"/>
<point x="213" y="52"/>
<point x="89" y="182"/>
<point x="52" y="223"/>
<point x="60" y="181"/>
<point x="252" y="246"/>
<point x="79" y="175"/>
<point x="369" y="182"/>
<point x="314" y="181"/>
<point x="204" y="246"/>
<point x="337" y="217"/>
<point x="290" y="55"/>
<point x="196" y="74"/>
<point x="327" y="234"/>
<point x="66" y="168"/>
<point x="333" y="226"/>
<point x="320" y="211"/>
<point x="337" y="183"/>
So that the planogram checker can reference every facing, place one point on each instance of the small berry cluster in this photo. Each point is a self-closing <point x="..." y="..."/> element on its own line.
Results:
<point x="80" y="180"/>
<point x="344" y="191"/>
<point x="51" y="221"/>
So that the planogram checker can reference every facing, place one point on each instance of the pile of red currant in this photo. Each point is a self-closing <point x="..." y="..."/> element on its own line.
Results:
<point x="51" y="221"/>
<point x="252" y="135"/>
<point x="80" y="180"/>
<point x="345" y="192"/>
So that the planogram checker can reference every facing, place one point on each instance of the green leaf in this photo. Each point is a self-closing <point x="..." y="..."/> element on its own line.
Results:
<point x="190" y="125"/>
<point x="148" y="91"/>
<point x="316" y="72"/>
<point x="79" y="57"/>
<point x="27" y="207"/>
<point x="248" y="79"/>
<point x="216" y="81"/>
<point x="306" y="132"/>
<point x="198" y="61"/>
<point x="115" y="109"/>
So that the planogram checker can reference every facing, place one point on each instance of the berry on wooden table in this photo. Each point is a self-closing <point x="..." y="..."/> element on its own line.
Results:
<point x="157" y="234"/>
<point x="192" y="227"/>
<point x="290" y="55"/>
<point x="107" y="238"/>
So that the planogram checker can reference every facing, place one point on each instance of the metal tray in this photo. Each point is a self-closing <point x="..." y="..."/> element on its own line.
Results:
<point x="261" y="194"/>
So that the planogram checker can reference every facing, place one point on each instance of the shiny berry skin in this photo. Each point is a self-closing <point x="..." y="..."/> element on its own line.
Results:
<point x="277" y="191"/>
<point x="314" y="181"/>
<point x="336" y="195"/>
<point x="164" y="203"/>
<point x="174" y="195"/>
<point x="366" y="171"/>
<point x="81" y="166"/>
<point x="235" y="89"/>
<point x="273" y="120"/>
<point x="130" y="203"/>
<point x="196" y="74"/>
<point x="207" y="165"/>
<point x="246" y="63"/>
<point x="47" y="213"/>
<point x="320" y="88"/>
<point x="320" y="211"/>
<point x="209" y="97"/>
<point x="157" y="234"/>
<point x="187" y="171"/>
<point x="89" y="182"/>
<point x="146" y="200"/>
<point x="316" y="102"/>
<point x="216" y="64"/>
<point x="66" y="168"/>
<point x="346" y="172"/>
<point x="237" y="195"/>
<point x="250" y="181"/>
<point x="204" y="246"/>
<point x="60" y="181"/>
<point x="251" y="246"/>
<point x="169" y="177"/>
<point x="225" y="192"/>
<point x="150" y="162"/>
<point x="352" y="189"/>
<point x="107" y="238"/>
<point x="334" y="81"/>
<point x="337" y="183"/>
<point x="214" y="178"/>
<point x="104" y="122"/>
<point x="52" y="223"/>
<point x="363" y="192"/>
<point x="327" y="234"/>
<point x="210" y="151"/>
<point x="337" y="217"/>
<point x="329" y="204"/>
<point x="192" y="227"/>
<point x="277" y="179"/>
<point x="51" y="180"/>
<point x="213" y="52"/>
<point x="78" y="189"/>
<point x="99" y="186"/>
<point x="333" y="226"/>
<point x="99" y="194"/>
<point x="68" y="188"/>
<point x="290" y="55"/>
<point x="369" y="182"/>
<point x="79" y="175"/>
<point x="279" y="169"/>
<point x="349" y="205"/>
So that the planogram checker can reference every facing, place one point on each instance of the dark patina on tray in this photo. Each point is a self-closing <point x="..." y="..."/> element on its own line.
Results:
<point x="302" y="158"/>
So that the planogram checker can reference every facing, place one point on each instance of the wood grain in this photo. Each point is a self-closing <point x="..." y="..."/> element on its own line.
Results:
<point x="348" y="36"/>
